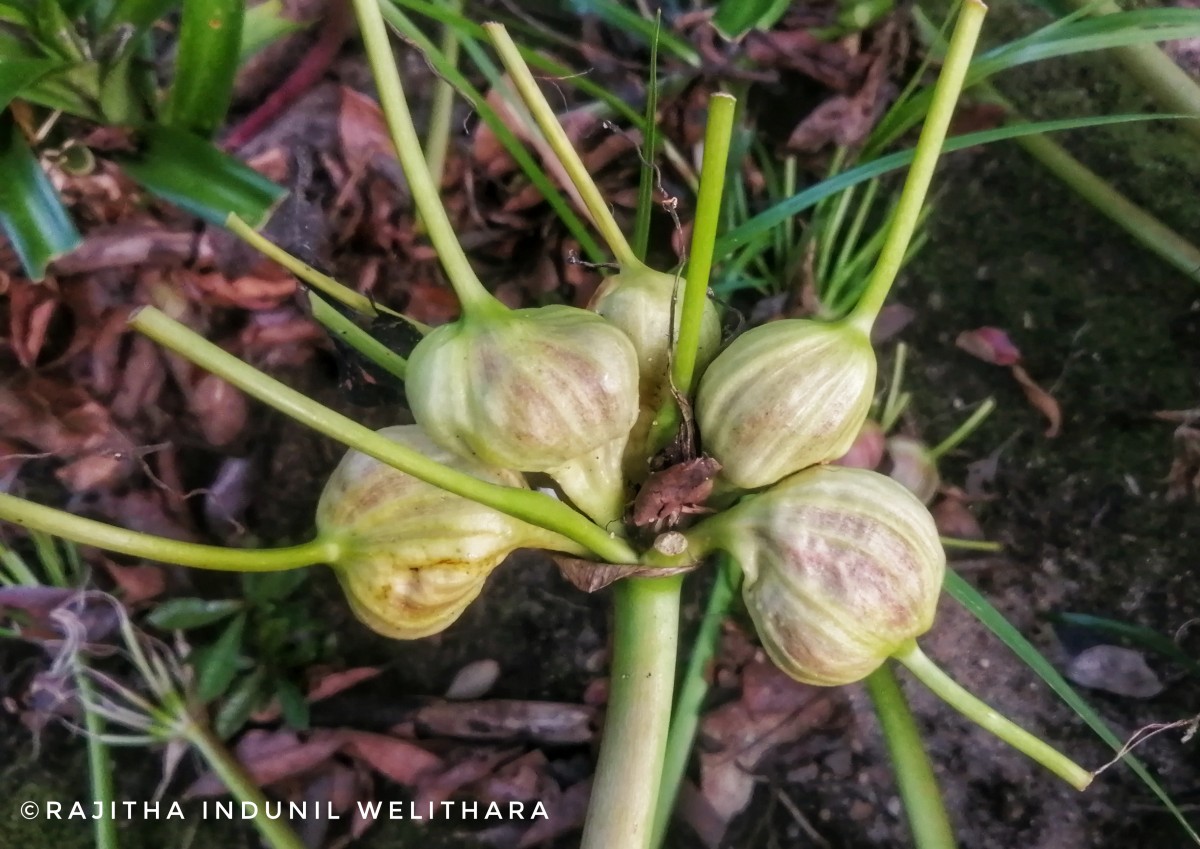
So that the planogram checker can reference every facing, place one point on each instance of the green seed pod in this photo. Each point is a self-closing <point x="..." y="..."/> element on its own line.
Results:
<point x="553" y="389"/>
<point x="842" y="568"/>
<point x="638" y="301"/>
<point x="910" y="464"/>
<point x="413" y="556"/>
<point x="785" y="396"/>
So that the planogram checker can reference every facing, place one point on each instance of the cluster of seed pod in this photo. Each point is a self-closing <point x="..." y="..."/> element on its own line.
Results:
<point x="841" y="566"/>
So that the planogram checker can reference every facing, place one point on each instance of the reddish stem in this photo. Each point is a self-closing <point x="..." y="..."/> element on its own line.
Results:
<point x="333" y="33"/>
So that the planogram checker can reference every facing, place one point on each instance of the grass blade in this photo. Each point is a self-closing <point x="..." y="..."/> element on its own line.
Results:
<point x="994" y="621"/>
<point x="529" y="167"/>
<point x="31" y="213"/>
<point x="210" y="39"/>
<point x="760" y="224"/>
<point x="197" y="177"/>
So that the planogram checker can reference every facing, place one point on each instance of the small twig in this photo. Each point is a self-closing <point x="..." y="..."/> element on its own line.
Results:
<point x="1144" y="733"/>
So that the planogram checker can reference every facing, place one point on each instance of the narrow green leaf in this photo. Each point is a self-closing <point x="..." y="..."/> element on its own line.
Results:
<point x="197" y="177"/>
<point x="994" y="621"/>
<point x="139" y="14"/>
<point x="242" y="701"/>
<point x="55" y="32"/>
<point x="649" y="175"/>
<point x="217" y="665"/>
<point x="180" y="614"/>
<point x="1145" y="638"/>
<point x="31" y="213"/>
<point x="260" y="587"/>
<point x="780" y="212"/>
<point x="292" y="703"/>
<point x="504" y="135"/>
<point x="264" y="24"/>
<point x="442" y="14"/>
<point x="210" y="40"/>
<point x="16" y="75"/>
<point x="735" y="18"/>
<point x="18" y="15"/>
<point x="631" y="22"/>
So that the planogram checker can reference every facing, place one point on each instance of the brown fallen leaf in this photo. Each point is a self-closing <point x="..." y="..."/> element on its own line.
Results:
<point x="473" y="765"/>
<point x="954" y="519"/>
<point x="1042" y="400"/>
<point x="221" y="410"/>
<point x="847" y="119"/>
<point x="136" y="583"/>
<point x="993" y="345"/>
<point x="398" y="760"/>
<point x="1184" y="475"/>
<point x="499" y="720"/>
<point x="565" y="811"/>
<point x="798" y="50"/>
<point x="739" y="734"/>
<point x="592" y="576"/>
<point x="271" y="756"/>
<point x="990" y="344"/>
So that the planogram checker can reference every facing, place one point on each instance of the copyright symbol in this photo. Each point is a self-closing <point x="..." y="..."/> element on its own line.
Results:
<point x="29" y="810"/>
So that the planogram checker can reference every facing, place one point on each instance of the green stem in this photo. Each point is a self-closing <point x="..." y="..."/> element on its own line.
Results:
<point x="276" y="832"/>
<point x="527" y="505"/>
<point x="925" y="158"/>
<point x="648" y="173"/>
<point x="100" y="771"/>
<point x="626" y="787"/>
<point x="440" y="114"/>
<point x="949" y="691"/>
<point x="693" y="688"/>
<point x="546" y="120"/>
<point x="323" y="283"/>
<point x="357" y="338"/>
<point x="914" y="774"/>
<point x="467" y="286"/>
<point x="717" y="134"/>
<point x="970" y="544"/>
<point x="1137" y="222"/>
<point x="37" y="517"/>
<point x="561" y="206"/>
<point x="1171" y="87"/>
<point x="963" y="431"/>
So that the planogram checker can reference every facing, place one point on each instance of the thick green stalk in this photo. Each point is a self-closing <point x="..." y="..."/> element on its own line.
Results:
<point x="949" y="691"/>
<point x="323" y="283"/>
<point x="914" y="775"/>
<point x="90" y="532"/>
<point x="626" y="787"/>
<point x="533" y="507"/>
<point x="1090" y="186"/>
<point x="1171" y="87"/>
<point x="689" y="701"/>
<point x="525" y="161"/>
<point x="471" y="292"/>
<point x="357" y="338"/>
<point x="546" y="120"/>
<point x="442" y="111"/>
<point x="925" y="158"/>
<point x="717" y="134"/>
<point x="276" y="832"/>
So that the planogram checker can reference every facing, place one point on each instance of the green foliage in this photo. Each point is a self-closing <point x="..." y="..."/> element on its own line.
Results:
<point x="95" y="62"/>
<point x="251" y="650"/>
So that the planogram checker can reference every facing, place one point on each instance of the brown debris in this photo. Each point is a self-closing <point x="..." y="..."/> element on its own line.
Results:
<point x="993" y="345"/>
